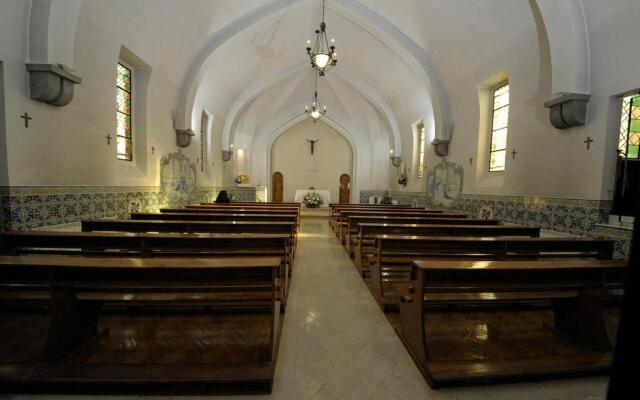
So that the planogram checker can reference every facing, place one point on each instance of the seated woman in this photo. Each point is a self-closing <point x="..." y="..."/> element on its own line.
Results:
<point x="223" y="197"/>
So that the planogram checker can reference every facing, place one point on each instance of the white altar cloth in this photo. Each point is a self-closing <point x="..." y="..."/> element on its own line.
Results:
<point x="325" y="195"/>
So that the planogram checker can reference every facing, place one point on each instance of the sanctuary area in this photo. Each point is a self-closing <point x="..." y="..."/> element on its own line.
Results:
<point x="319" y="199"/>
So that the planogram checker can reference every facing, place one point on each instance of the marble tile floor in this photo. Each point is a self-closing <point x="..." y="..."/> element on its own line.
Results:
<point x="338" y="345"/>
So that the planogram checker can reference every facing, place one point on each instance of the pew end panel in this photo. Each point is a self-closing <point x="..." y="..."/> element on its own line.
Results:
<point x="578" y="285"/>
<point x="81" y="284"/>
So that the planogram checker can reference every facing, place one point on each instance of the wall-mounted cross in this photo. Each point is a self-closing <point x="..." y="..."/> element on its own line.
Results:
<point x="26" y="118"/>
<point x="471" y="161"/>
<point x="588" y="142"/>
<point x="513" y="154"/>
<point x="153" y="150"/>
<point x="108" y="137"/>
<point x="313" y="143"/>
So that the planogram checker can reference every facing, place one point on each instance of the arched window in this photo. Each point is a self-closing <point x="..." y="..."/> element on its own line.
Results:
<point x="500" y="122"/>
<point x="124" y="94"/>
<point x="629" y="139"/>
<point x="421" y="145"/>
<point x="204" y="121"/>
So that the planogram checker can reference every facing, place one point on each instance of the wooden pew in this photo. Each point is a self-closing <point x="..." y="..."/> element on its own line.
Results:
<point x="341" y="220"/>
<point x="218" y="216"/>
<point x="365" y="240"/>
<point x="232" y="206"/>
<point x="335" y="210"/>
<point x="573" y="287"/>
<point x="127" y="244"/>
<point x="391" y="261"/>
<point x="106" y="225"/>
<point x="265" y="204"/>
<point x="79" y="285"/>
<point x="354" y="221"/>
<point x="236" y="210"/>
<point x="189" y="226"/>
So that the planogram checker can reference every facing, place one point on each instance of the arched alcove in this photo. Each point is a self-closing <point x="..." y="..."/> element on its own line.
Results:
<point x="290" y="154"/>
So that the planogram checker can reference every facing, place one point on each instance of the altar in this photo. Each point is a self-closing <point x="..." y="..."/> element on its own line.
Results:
<point x="325" y="195"/>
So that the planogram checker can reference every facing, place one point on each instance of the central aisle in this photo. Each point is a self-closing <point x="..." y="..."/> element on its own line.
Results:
<point x="337" y="343"/>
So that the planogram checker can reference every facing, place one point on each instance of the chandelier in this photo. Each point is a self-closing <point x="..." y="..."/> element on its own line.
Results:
<point x="323" y="55"/>
<point x="315" y="111"/>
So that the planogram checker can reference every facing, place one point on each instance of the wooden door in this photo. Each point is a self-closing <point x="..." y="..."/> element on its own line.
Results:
<point x="345" y="188"/>
<point x="277" y="188"/>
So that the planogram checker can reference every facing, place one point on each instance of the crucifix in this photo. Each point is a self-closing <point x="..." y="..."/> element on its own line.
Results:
<point x="312" y="142"/>
<point x="513" y="154"/>
<point x="588" y="142"/>
<point x="313" y="162"/>
<point x="153" y="150"/>
<point x="108" y="137"/>
<point x="471" y="161"/>
<point x="26" y="118"/>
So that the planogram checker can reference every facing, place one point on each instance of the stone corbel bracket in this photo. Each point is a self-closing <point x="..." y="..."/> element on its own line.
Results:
<point x="568" y="110"/>
<point x="183" y="137"/>
<point x="441" y="147"/>
<point x="226" y="155"/>
<point x="51" y="83"/>
<point x="396" y="161"/>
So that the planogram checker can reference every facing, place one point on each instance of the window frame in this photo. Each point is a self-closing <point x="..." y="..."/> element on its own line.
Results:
<point x="204" y="121"/>
<point x="629" y="118"/>
<point x="492" y="131"/>
<point x="420" y="130"/>
<point x="131" y="70"/>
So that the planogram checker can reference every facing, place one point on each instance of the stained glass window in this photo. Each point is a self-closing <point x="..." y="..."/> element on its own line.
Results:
<point x="499" y="127"/>
<point x="629" y="140"/>
<point x="421" y="140"/>
<point x="203" y="129"/>
<point x="124" y="138"/>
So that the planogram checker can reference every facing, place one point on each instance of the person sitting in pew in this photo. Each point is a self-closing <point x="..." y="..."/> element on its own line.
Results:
<point x="223" y="197"/>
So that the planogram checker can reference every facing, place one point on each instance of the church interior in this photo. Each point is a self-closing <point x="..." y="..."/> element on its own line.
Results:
<point x="319" y="199"/>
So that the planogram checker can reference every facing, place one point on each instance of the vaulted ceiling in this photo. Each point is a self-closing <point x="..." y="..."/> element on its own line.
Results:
<point x="398" y="60"/>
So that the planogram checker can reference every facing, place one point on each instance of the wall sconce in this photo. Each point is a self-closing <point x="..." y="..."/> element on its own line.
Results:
<point x="395" y="161"/>
<point x="226" y="154"/>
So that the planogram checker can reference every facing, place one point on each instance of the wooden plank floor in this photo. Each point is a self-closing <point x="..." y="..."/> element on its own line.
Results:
<point x="147" y="339"/>
<point x="482" y="335"/>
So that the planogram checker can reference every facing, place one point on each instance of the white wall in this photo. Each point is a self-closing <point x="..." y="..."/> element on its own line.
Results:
<point x="67" y="145"/>
<point x="290" y="155"/>
<point x="4" y="179"/>
<point x="468" y="43"/>
<point x="615" y="53"/>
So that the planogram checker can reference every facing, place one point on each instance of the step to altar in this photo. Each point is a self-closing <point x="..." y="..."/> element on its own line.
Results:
<point x="320" y="212"/>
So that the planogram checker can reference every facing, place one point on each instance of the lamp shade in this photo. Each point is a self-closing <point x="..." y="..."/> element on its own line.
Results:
<point x="321" y="60"/>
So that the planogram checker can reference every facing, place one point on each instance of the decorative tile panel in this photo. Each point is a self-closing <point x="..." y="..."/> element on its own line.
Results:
<point x="31" y="207"/>
<point x="572" y="216"/>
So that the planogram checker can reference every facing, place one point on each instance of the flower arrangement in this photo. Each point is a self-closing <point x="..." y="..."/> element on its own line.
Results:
<point x="311" y="200"/>
<point x="386" y="199"/>
<point x="241" y="179"/>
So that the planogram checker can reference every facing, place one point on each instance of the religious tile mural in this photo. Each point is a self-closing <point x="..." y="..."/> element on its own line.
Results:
<point x="444" y="183"/>
<point x="31" y="207"/>
<point x="177" y="177"/>
<point x="37" y="207"/>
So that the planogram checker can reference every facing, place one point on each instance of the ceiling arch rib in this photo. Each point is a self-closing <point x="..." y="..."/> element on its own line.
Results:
<point x="51" y="30"/>
<point x="360" y="87"/>
<point x="190" y="84"/>
<point x="566" y="27"/>
<point x="378" y="26"/>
